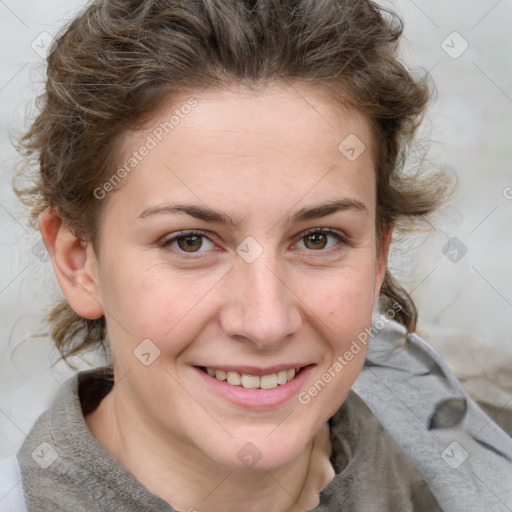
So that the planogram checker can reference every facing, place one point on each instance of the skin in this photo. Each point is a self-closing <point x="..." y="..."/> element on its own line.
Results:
<point x="259" y="157"/>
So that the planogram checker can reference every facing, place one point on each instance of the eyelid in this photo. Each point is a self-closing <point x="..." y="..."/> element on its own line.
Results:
<point x="343" y="238"/>
<point x="198" y="232"/>
<point x="166" y="242"/>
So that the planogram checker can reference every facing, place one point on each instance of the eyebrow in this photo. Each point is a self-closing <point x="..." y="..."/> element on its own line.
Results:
<point x="209" y="215"/>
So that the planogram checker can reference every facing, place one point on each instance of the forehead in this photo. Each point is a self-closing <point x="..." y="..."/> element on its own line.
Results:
<point x="299" y="116"/>
<point x="226" y="144"/>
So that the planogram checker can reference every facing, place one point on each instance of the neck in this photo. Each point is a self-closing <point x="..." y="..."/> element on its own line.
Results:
<point x="188" y="480"/>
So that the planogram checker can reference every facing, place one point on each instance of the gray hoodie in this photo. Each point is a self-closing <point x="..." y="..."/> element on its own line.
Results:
<point x="407" y="438"/>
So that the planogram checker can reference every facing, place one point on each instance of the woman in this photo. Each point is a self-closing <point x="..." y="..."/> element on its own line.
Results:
<point x="218" y="188"/>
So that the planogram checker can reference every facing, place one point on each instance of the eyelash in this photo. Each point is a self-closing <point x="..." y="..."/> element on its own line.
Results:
<point x="188" y="255"/>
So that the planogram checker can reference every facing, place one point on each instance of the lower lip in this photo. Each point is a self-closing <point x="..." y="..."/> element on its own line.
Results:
<point x="257" y="398"/>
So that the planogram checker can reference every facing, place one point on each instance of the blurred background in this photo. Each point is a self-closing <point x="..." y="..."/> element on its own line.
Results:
<point x="460" y="275"/>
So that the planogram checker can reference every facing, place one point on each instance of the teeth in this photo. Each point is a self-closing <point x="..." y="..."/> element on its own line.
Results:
<point x="250" y="381"/>
<point x="220" y="374"/>
<point x="270" y="381"/>
<point x="282" y="377"/>
<point x="234" y="378"/>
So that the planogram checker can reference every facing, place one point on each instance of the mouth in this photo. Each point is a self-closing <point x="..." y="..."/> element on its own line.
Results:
<point x="270" y="380"/>
<point x="255" y="388"/>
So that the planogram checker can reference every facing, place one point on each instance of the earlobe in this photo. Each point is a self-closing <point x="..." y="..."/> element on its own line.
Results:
<point x="74" y="264"/>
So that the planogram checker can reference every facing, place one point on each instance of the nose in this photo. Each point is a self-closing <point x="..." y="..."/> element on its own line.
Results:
<point x="262" y="309"/>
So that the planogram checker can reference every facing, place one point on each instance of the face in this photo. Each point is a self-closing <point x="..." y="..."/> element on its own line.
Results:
<point x="242" y="241"/>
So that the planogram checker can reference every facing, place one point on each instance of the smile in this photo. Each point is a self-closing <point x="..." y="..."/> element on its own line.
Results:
<point x="268" y="381"/>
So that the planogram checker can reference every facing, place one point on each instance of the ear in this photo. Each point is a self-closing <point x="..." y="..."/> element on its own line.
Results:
<point x="382" y="261"/>
<point x="74" y="263"/>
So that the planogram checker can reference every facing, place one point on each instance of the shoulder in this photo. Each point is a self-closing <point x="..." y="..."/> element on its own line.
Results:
<point x="462" y="452"/>
<point x="373" y="472"/>
<point x="11" y="489"/>
<point x="482" y="366"/>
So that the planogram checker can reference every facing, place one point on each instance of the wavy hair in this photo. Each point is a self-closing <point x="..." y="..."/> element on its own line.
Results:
<point x="111" y="68"/>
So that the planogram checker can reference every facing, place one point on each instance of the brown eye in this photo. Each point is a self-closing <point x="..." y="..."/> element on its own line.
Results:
<point x="315" y="241"/>
<point x="190" y="243"/>
<point x="318" y="240"/>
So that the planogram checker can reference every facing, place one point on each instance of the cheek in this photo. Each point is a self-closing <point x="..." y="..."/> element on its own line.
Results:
<point x="158" y="304"/>
<point x="154" y="302"/>
<point x="344" y="299"/>
<point x="344" y="312"/>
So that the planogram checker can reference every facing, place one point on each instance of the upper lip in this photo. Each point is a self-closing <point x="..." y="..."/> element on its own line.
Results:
<point x="255" y="370"/>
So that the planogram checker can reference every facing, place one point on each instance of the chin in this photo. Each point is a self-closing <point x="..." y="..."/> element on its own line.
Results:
<point x="266" y="450"/>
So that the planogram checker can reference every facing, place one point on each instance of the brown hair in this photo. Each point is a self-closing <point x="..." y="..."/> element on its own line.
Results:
<point x="116" y="62"/>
